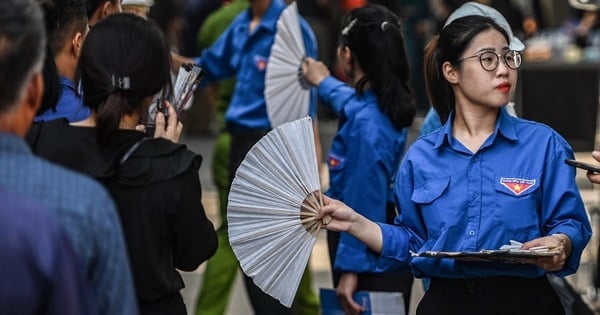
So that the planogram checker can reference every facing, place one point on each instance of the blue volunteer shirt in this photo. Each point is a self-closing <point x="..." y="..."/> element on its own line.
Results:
<point x="244" y="54"/>
<point x="363" y="161"/>
<point x="515" y="187"/>
<point x="69" y="106"/>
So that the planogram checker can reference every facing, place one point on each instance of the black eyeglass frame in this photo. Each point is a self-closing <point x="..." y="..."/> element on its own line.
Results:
<point x="508" y="54"/>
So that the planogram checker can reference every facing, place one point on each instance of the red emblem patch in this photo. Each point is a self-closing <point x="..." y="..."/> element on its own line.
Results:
<point x="333" y="162"/>
<point x="261" y="63"/>
<point x="517" y="185"/>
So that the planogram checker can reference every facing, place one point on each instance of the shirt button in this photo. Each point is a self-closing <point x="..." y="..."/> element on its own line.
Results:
<point x="474" y="159"/>
<point x="471" y="232"/>
<point x="475" y="195"/>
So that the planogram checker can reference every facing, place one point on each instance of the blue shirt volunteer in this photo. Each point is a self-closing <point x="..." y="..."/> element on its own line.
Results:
<point x="244" y="54"/>
<point x="69" y="106"/>
<point x="515" y="187"/>
<point x="363" y="161"/>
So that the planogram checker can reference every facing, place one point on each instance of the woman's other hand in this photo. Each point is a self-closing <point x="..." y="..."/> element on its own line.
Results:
<point x="345" y="292"/>
<point x="592" y="176"/>
<point x="314" y="71"/>
<point x="552" y="263"/>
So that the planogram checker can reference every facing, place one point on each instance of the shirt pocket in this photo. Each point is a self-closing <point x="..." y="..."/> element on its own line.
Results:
<point x="437" y="208"/>
<point x="517" y="202"/>
<point x="430" y="190"/>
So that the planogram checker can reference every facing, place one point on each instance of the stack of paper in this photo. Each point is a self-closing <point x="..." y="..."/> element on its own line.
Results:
<point x="374" y="303"/>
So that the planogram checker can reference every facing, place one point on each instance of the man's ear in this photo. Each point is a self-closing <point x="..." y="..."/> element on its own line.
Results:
<point x="34" y="93"/>
<point x="76" y="44"/>
<point x="21" y="118"/>
<point x="106" y="9"/>
<point x="450" y="72"/>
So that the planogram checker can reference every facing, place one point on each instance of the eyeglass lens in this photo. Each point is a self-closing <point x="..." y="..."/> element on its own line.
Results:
<point x="489" y="60"/>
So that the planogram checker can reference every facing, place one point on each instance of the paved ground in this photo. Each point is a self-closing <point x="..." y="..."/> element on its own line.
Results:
<point x="238" y="305"/>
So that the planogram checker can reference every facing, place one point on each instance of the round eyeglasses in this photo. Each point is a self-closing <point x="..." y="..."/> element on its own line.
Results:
<point x="489" y="60"/>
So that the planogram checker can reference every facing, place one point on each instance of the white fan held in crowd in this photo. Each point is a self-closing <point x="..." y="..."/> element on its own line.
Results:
<point x="287" y="96"/>
<point x="273" y="203"/>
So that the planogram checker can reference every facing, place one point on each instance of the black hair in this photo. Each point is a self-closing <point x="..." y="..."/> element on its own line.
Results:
<point x="374" y="36"/>
<point x="450" y="45"/>
<point x="122" y="48"/>
<point x="22" y="42"/>
<point x="93" y="5"/>
<point x="52" y="87"/>
<point x="63" y="19"/>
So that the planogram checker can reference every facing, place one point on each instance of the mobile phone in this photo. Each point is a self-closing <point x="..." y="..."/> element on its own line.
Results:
<point x="583" y="165"/>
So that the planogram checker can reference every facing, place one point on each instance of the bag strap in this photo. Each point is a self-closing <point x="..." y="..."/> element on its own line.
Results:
<point x="132" y="149"/>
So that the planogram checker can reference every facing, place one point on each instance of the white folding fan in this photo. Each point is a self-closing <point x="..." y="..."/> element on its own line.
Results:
<point x="273" y="202"/>
<point x="287" y="97"/>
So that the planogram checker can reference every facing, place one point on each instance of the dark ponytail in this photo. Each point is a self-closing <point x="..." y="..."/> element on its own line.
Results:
<point x="376" y="41"/>
<point x="124" y="61"/>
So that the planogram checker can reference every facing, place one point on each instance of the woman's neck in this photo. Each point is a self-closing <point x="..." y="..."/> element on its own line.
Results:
<point x="258" y="9"/>
<point x="128" y="122"/>
<point x="472" y="126"/>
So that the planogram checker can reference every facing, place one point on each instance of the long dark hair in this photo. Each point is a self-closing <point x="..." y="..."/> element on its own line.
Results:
<point x="125" y="59"/>
<point x="374" y="35"/>
<point x="450" y="45"/>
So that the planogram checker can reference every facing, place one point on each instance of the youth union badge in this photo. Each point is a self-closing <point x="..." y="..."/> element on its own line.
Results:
<point x="517" y="185"/>
<point x="260" y="62"/>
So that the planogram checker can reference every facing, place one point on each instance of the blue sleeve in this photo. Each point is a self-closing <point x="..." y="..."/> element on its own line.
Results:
<point x="216" y="60"/>
<point x="563" y="210"/>
<point x="366" y="186"/>
<point x="408" y="232"/>
<point x="335" y="93"/>
<point x="311" y="48"/>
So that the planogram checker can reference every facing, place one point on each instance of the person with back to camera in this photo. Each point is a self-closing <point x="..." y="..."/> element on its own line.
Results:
<point x="371" y="138"/>
<point x="67" y="25"/>
<point x="153" y="181"/>
<point x="83" y="208"/>
<point x="483" y="179"/>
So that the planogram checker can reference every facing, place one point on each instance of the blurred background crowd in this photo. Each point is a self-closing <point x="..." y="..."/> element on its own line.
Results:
<point x="551" y="29"/>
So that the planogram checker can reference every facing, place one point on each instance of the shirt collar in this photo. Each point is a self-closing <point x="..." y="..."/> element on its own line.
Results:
<point x="505" y="126"/>
<point x="13" y="144"/>
<point x="445" y="132"/>
<point x="269" y="20"/>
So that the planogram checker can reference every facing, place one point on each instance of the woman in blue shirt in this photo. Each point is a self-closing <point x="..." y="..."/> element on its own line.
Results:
<point x="370" y="141"/>
<point x="481" y="180"/>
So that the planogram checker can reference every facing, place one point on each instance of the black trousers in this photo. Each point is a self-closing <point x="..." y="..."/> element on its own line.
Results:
<point x="490" y="295"/>
<point x="262" y="303"/>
